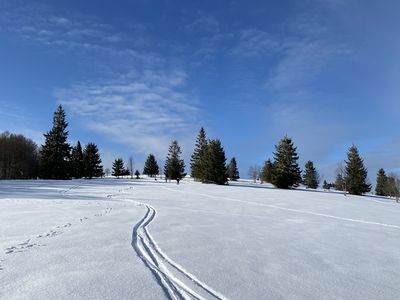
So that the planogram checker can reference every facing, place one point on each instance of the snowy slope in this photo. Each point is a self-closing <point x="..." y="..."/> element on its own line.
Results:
<point x="123" y="239"/>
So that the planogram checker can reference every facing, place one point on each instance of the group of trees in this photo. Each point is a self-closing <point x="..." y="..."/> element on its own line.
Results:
<point x="208" y="161"/>
<point x="58" y="160"/>
<point x="387" y="185"/>
<point x="19" y="157"/>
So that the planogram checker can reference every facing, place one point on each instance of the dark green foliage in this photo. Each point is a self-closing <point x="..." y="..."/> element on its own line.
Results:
<point x="19" y="157"/>
<point x="286" y="171"/>
<point x="266" y="171"/>
<point x="151" y="167"/>
<point x="339" y="182"/>
<point x="233" y="172"/>
<point x="55" y="153"/>
<point x="118" y="168"/>
<point x="137" y="174"/>
<point x="215" y="167"/>
<point x="381" y="179"/>
<point x="197" y="162"/>
<point x="310" y="176"/>
<point x="174" y="168"/>
<point x="77" y="167"/>
<point x="326" y="186"/>
<point x="356" y="173"/>
<point x="92" y="161"/>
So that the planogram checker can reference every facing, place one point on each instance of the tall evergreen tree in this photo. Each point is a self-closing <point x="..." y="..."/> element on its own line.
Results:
<point x="151" y="167"/>
<point x="286" y="171"/>
<point x="381" y="180"/>
<point x="55" y="153"/>
<point x="233" y="172"/>
<point x="356" y="173"/>
<point x="266" y="171"/>
<point x="310" y="176"/>
<point x="197" y="162"/>
<point x="77" y="167"/>
<point x="118" y="168"/>
<point x="92" y="162"/>
<point x="174" y="168"/>
<point x="215" y="168"/>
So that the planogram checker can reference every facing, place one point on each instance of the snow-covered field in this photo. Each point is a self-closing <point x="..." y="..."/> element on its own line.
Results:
<point x="123" y="239"/>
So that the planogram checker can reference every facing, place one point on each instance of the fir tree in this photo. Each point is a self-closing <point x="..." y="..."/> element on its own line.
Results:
<point x="286" y="171"/>
<point x="356" y="173"/>
<point x="310" y="176"/>
<point x="77" y="168"/>
<point x="233" y="172"/>
<point x="174" y="168"/>
<point x="266" y="171"/>
<point x="326" y="186"/>
<point x="92" y="161"/>
<point x="215" y="168"/>
<point x="137" y="174"/>
<point x="381" y="180"/>
<point x="197" y="162"/>
<point x="118" y="168"/>
<point x="55" y="153"/>
<point x="151" y="167"/>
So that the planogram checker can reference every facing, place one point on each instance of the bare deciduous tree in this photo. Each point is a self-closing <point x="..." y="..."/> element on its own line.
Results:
<point x="130" y="165"/>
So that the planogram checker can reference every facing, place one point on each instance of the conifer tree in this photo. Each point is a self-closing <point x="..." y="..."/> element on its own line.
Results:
<point x="77" y="168"/>
<point x="137" y="174"/>
<point x="233" y="172"/>
<point x="286" y="171"/>
<point x="151" y="167"/>
<point x="197" y="162"/>
<point x="310" y="176"/>
<point x="356" y="173"/>
<point x="118" y="168"/>
<point x="266" y="171"/>
<point x="381" y="180"/>
<point x="174" y="168"/>
<point x="215" y="167"/>
<point x="326" y="185"/>
<point x="55" y="153"/>
<point x="92" y="162"/>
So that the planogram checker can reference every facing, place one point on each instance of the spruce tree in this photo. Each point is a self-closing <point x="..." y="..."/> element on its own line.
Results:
<point x="77" y="168"/>
<point x="197" y="162"/>
<point x="55" y="153"/>
<point x="233" y="172"/>
<point x="356" y="173"/>
<point x="266" y="171"/>
<point x="137" y="174"/>
<point x="151" y="167"/>
<point x="174" y="168"/>
<point x="381" y="180"/>
<point x="92" y="162"/>
<point x="286" y="171"/>
<point x="215" y="167"/>
<point x="326" y="185"/>
<point x="118" y="168"/>
<point x="310" y="176"/>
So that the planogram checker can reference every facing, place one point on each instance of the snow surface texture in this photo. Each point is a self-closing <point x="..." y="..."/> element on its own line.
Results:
<point x="146" y="239"/>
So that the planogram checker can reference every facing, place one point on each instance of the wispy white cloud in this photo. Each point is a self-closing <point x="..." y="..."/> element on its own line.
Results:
<point x="253" y="41"/>
<point x="143" y="111"/>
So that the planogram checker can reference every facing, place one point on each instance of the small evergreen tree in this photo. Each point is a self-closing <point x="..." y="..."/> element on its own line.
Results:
<point x="381" y="179"/>
<point x="266" y="171"/>
<point x="118" y="168"/>
<point x="326" y="185"/>
<point x="92" y="162"/>
<point x="137" y="174"/>
<point x="286" y="171"/>
<point x="151" y="167"/>
<point x="55" y="153"/>
<point x="174" y="168"/>
<point x="310" y="176"/>
<point x="197" y="162"/>
<point x="356" y="173"/>
<point x="77" y="167"/>
<point x="233" y="172"/>
<point x="215" y="169"/>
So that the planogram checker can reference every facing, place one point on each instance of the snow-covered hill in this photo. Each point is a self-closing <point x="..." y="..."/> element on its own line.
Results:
<point x="146" y="239"/>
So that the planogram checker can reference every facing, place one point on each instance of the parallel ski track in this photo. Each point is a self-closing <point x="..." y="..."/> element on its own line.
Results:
<point x="157" y="261"/>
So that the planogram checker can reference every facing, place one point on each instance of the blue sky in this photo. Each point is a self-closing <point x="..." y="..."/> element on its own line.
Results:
<point x="133" y="75"/>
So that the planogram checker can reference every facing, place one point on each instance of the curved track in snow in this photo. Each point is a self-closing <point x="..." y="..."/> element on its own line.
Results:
<point x="176" y="282"/>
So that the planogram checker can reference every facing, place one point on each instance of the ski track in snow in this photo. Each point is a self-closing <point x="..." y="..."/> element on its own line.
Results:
<point x="157" y="261"/>
<point x="292" y="210"/>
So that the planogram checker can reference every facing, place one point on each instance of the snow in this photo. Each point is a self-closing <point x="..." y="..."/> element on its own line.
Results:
<point x="146" y="239"/>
